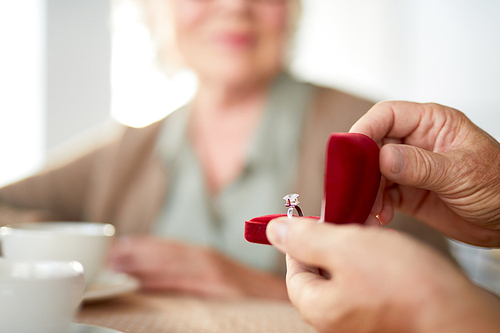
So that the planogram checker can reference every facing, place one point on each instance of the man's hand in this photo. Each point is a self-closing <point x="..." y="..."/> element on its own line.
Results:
<point x="377" y="280"/>
<point x="438" y="167"/>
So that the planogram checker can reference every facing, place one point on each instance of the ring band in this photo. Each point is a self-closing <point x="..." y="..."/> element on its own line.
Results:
<point x="289" y="212"/>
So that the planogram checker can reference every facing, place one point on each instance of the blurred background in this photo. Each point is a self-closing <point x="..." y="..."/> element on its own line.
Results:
<point x="67" y="67"/>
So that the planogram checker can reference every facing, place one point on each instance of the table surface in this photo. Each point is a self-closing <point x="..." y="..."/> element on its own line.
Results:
<point x="156" y="312"/>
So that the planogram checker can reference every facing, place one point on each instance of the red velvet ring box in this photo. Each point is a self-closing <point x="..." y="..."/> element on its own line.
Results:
<point x="352" y="178"/>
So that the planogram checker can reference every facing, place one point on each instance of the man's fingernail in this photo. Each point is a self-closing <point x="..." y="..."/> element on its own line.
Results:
<point x="394" y="231"/>
<point x="398" y="160"/>
<point x="277" y="230"/>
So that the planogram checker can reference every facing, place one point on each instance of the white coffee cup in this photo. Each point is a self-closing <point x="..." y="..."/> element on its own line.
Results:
<point x="85" y="242"/>
<point x="39" y="296"/>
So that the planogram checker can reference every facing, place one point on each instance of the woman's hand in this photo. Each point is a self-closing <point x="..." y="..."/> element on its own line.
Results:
<point x="175" y="266"/>
<point x="439" y="167"/>
<point x="377" y="281"/>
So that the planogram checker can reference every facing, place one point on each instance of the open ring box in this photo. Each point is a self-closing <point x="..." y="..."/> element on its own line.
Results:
<point x="352" y="179"/>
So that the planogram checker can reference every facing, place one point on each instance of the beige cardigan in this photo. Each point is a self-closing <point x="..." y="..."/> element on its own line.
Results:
<point x="123" y="182"/>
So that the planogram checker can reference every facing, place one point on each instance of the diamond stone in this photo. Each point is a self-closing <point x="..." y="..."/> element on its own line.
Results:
<point x="291" y="200"/>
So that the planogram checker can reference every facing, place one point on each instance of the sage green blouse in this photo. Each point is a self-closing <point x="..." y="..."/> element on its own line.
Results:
<point x="190" y="214"/>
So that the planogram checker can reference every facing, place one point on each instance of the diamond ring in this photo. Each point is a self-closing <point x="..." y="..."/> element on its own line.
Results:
<point x="292" y="201"/>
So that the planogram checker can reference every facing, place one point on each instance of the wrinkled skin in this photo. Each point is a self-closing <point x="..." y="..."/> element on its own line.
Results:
<point x="439" y="167"/>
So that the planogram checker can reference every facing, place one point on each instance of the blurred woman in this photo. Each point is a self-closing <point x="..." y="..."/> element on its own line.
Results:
<point x="179" y="190"/>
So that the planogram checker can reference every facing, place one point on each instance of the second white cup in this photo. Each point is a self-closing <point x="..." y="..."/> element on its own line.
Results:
<point x="85" y="242"/>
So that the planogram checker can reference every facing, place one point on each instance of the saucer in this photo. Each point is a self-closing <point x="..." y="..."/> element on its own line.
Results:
<point x="110" y="285"/>
<point x="84" y="328"/>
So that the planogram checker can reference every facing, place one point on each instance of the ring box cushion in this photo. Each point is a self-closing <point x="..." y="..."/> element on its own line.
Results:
<point x="255" y="229"/>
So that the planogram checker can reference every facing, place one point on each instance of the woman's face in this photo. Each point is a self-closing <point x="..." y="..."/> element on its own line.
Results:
<point x="233" y="40"/>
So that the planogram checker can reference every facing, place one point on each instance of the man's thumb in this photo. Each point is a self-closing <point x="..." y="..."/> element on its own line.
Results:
<point x="413" y="166"/>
